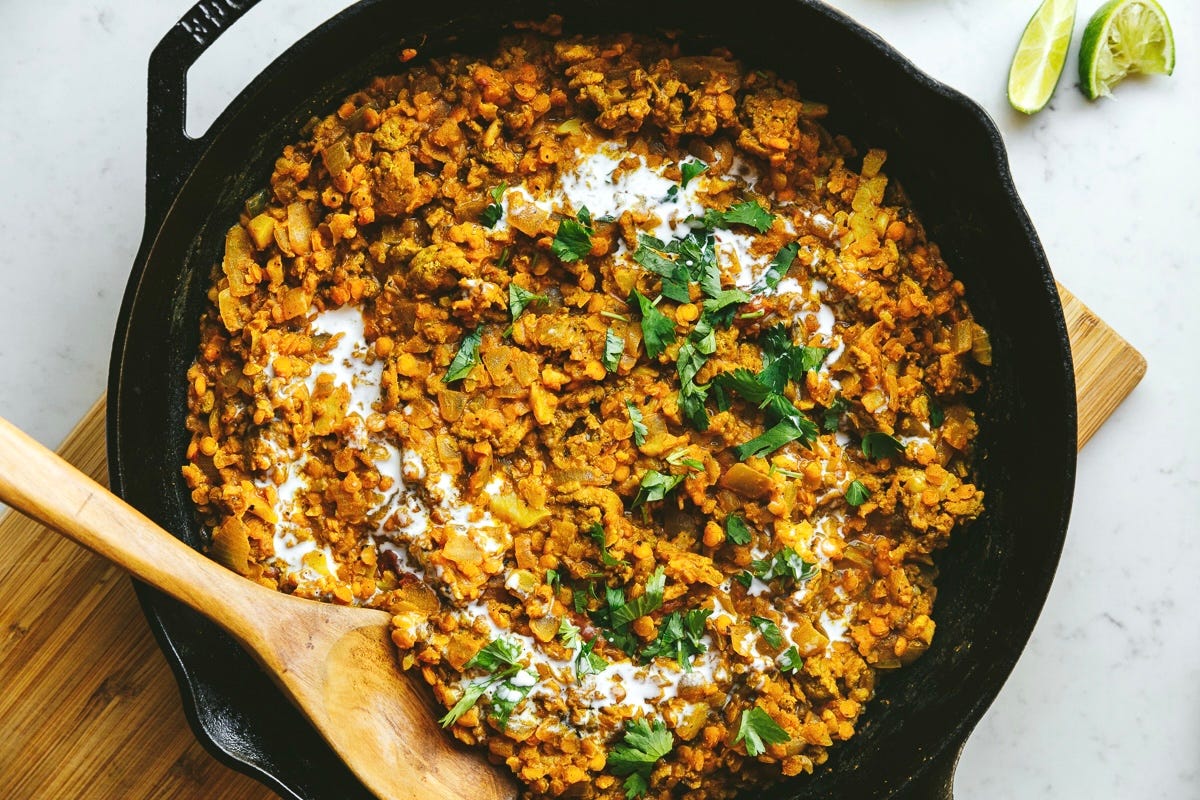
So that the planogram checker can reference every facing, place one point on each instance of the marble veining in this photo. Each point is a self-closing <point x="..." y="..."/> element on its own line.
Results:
<point x="1105" y="702"/>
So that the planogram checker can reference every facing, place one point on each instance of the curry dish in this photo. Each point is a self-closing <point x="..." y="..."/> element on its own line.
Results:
<point x="634" y="395"/>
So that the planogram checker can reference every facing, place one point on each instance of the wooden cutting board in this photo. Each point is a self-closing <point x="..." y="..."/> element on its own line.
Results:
<point x="88" y="706"/>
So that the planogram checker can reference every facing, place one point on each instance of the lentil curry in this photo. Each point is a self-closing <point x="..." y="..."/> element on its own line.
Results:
<point x="636" y="397"/>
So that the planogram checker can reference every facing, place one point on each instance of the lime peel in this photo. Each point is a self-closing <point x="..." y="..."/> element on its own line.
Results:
<point x="1041" y="55"/>
<point x="1124" y="37"/>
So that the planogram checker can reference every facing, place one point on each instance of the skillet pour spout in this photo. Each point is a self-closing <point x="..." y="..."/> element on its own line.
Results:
<point x="942" y="147"/>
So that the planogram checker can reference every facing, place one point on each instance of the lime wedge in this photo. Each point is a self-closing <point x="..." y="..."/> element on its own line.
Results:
<point x="1123" y="37"/>
<point x="1040" y="56"/>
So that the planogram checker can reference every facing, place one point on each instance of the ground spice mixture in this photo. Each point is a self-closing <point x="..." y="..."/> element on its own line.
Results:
<point x="634" y="395"/>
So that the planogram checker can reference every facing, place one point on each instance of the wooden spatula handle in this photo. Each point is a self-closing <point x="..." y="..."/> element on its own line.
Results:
<point x="42" y="485"/>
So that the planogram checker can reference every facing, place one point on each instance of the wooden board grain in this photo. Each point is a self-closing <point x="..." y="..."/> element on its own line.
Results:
<point x="88" y="706"/>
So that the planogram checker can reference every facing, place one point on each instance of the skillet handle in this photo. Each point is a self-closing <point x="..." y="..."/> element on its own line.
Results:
<point x="936" y="781"/>
<point x="170" y="152"/>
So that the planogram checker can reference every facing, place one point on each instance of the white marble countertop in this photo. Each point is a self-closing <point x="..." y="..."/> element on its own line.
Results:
<point x="1105" y="702"/>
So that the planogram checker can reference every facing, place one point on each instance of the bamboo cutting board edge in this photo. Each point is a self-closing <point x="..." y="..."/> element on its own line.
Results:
<point x="89" y="708"/>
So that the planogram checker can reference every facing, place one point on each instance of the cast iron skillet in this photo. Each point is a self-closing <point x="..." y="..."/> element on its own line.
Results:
<point x="941" y="146"/>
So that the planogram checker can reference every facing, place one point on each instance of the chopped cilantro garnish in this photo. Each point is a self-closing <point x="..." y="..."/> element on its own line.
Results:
<point x="680" y="458"/>
<point x="466" y="358"/>
<point x="744" y="578"/>
<point x="495" y="654"/>
<point x="876" y="445"/>
<point x="778" y="267"/>
<point x="584" y="216"/>
<point x="655" y="486"/>
<point x="680" y="637"/>
<point x="569" y="632"/>
<point x="641" y="748"/>
<point x="832" y="416"/>
<point x="508" y="695"/>
<point x="470" y="696"/>
<point x="757" y="729"/>
<point x="519" y="298"/>
<point x="588" y="662"/>
<point x="553" y="579"/>
<point x="657" y="330"/>
<point x="573" y="240"/>
<point x="789" y="660"/>
<point x="786" y="564"/>
<point x="689" y="170"/>
<point x="936" y="414"/>
<point x="596" y="534"/>
<point x="791" y="429"/>
<point x="769" y="630"/>
<point x="748" y="213"/>
<point x="650" y="600"/>
<point x="614" y="348"/>
<point x="491" y="215"/>
<point x="615" y="614"/>
<point x="784" y="361"/>
<point x="736" y="530"/>
<point x="499" y="651"/>
<point x="745" y="383"/>
<point x="857" y="494"/>
<point x="679" y="262"/>
<point x="639" y="425"/>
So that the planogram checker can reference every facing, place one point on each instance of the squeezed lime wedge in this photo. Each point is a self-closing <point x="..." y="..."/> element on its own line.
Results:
<point x="1041" y="54"/>
<point x="1121" y="38"/>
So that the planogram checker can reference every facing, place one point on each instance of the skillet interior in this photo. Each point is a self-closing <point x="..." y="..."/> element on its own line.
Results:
<point x="942" y="148"/>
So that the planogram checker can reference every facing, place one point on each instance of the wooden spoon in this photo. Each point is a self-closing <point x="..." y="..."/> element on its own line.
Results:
<point x="337" y="664"/>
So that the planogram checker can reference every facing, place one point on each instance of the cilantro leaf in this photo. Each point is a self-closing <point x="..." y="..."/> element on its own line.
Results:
<point x="588" y="662"/>
<point x="657" y="330"/>
<point x="748" y="213"/>
<point x="508" y="695"/>
<point x="744" y="578"/>
<point x="519" y="298"/>
<point x="680" y="261"/>
<point x="786" y="564"/>
<point x="736" y="530"/>
<point x="680" y="637"/>
<point x="553" y="579"/>
<point x="689" y="170"/>
<point x="650" y="600"/>
<point x="778" y="267"/>
<point x="745" y="383"/>
<point x="491" y="215"/>
<point x="639" y="425"/>
<point x="614" y="348"/>
<point x="857" y="494"/>
<point x="466" y="358"/>
<point x="833" y="415"/>
<point x="679" y="458"/>
<point x="641" y="748"/>
<point x="937" y="414"/>
<point x="635" y="786"/>
<point x="584" y="216"/>
<point x="596" y="533"/>
<point x="795" y="428"/>
<point x="758" y="729"/>
<point x="495" y="653"/>
<point x="655" y="486"/>
<point x="769" y="630"/>
<point x="573" y="240"/>
<point x="878" y="445"/>
<point x="691" y="403"/>
<point x="789" y="660"/>
<point x="470" y="696"/>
